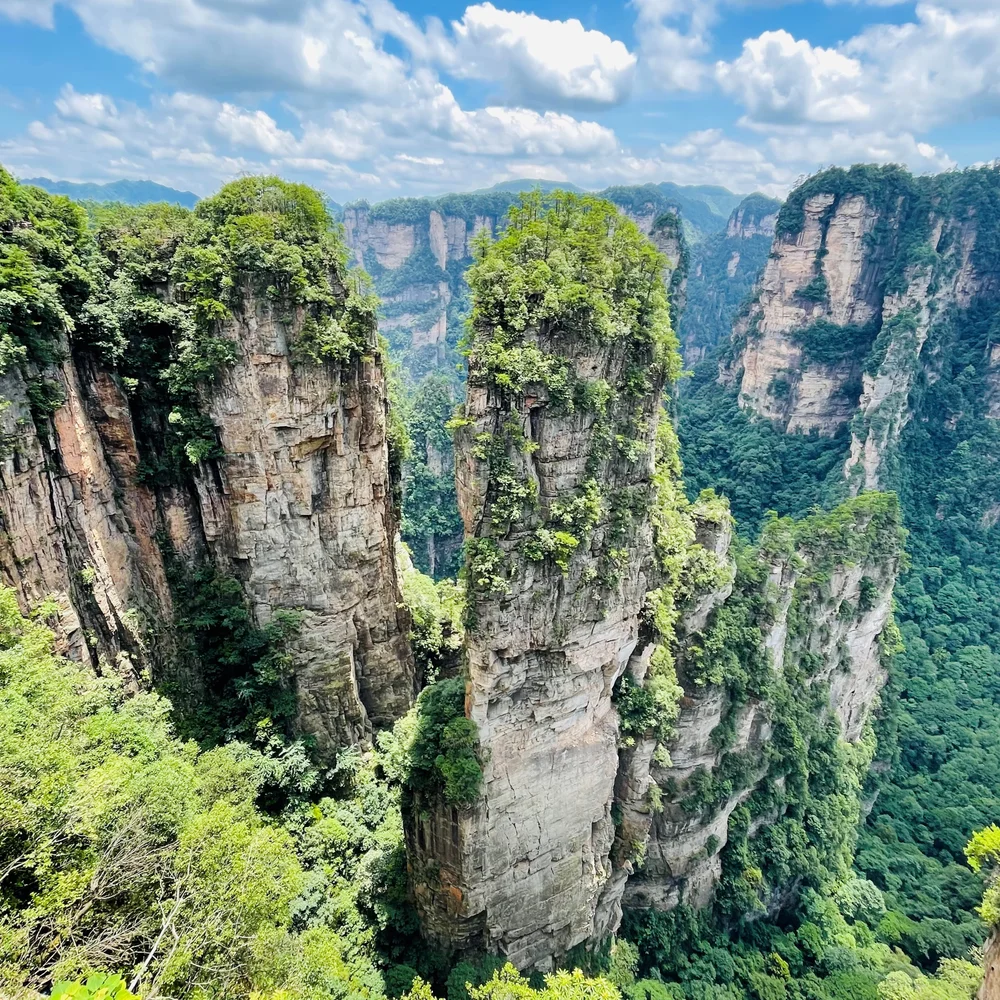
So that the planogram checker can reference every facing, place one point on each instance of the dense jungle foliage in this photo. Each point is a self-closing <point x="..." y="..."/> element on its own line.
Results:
<point x="939" y="738"/>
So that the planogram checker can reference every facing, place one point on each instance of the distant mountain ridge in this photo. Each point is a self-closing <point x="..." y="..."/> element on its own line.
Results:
<point x="126" y="192"/>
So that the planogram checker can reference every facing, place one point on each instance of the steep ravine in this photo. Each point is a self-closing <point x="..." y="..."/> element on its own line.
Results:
<point x="635" y="676"/>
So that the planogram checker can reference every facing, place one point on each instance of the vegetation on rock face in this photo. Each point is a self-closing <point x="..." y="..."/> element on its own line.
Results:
<point x="567" y="276"/>
<point x="148" y="291"/>
<point x="722" y="273"/>
<point x="937" y="735"/>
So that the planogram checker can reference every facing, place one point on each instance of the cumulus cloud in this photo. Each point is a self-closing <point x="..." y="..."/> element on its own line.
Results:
<point x="539" y="59"/>
<point x="779" y="78"/>
<point x="941" y="67"/>
<point x="220" y="47"/>
<point x="674" y="40"/>
<point x="200" y="142"/>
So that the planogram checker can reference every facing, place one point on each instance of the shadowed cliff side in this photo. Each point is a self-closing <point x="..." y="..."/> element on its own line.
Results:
<point x="197" y="454"/>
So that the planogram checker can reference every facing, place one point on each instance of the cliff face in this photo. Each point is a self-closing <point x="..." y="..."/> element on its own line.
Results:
<point x="628" y="685"/>
<point x="866" y="266"/>
<point x="724" y="268"/>
<point x="818" y="603"/>
<point x="252" y="445"/>
<point x="990" y="989"/>
<point x="298" y="505"/>
<point x="73" y="530"/>
<point x="556" y="507"/>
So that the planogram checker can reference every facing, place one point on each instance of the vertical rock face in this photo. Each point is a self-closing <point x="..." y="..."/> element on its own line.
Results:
<point x="990" y="990"/>
<point x="281" y="407"/>
<point x="77" y="527"/>
<point x="819" y="607"/>
<point x="866" y="265"/>
<point x="556" y="503"/>
<point x="596" y="588"/>
<point x="299" y="507"/>
<point x="724" y="268"/>
<point x="667" y="235"/>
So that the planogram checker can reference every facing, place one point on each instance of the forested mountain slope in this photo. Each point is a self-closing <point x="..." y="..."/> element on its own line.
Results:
<point x="640" y="744"/>
<point x="868" y="358"/>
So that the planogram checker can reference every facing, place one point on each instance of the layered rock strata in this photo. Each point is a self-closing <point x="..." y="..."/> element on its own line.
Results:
<point x="286" y="487"/>
<point x="558" y="519"/>
<point x="823" y="606"/>
<point x="866" y="265"/>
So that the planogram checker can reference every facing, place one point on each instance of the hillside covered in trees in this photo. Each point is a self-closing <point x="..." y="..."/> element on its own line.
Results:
<point x="251" y="751"/>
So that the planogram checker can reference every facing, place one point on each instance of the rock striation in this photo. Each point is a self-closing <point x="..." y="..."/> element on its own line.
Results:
<point x="821" y="607"/>
<point x="868" y="265"/>
<point x="229" y="430"/>
<point x="556" y="503"/>
<point x="624" y="679"/>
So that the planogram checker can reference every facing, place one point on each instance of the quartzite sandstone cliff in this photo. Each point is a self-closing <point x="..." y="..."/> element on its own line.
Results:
<point x="293" y="498"/>
<point x="865" y="264"/>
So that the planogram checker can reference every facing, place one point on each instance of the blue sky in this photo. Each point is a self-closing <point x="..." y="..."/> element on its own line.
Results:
<point x="378" y="98"/>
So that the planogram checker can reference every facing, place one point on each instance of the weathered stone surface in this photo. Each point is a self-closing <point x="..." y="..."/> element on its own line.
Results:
<point x="990" y="990"/>
<point x="778" y="381"/>
<point x="307" y="520"/>
<point x="77" y="528"/>
<point x="298" y="508"/>
<point x="528" y="870"/>
<point x="682" y="854"/>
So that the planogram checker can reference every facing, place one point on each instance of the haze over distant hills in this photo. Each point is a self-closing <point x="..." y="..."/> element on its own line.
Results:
<point x="706" y="207"/>
<point x="127" y="192"/>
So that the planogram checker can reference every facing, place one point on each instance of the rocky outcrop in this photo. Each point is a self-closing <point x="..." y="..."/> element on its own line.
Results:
<point x="558" y="522"/>
<point x="724" y="268"/>
<point x="667" y="235"/>
<point x="299" y="507"/>
<point x="591" y="580"/>
<point x="990" y="990"/>
<point x="865" y="266"/>
<point x="754" y="216"/>
<point x="285" y="490"/>
<point x="828" y="636"/>
<point x="78" y="528"/>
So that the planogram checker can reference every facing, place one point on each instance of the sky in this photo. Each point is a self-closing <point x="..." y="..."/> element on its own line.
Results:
<point x="377" y="99"/>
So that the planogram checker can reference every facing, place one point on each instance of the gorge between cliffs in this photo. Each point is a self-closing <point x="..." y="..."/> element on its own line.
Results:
<point x="655" y="717"/>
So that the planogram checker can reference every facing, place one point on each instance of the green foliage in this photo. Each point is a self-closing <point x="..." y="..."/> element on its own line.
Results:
<point x="125" y="850"/>
<point x="827" y="343"/>
<point x="940" y="706"/>
<point x="246" y="686"/>
<point x="566" y="271"/>
<point x="436" y="611"/>
<point x="434" y="748"/>
<point x="95" y="988"/>
<point x="508" y="984"/>
<point x="714" y="295"/>
<point x="431" y="524"/>
<point x="983" y="852"/>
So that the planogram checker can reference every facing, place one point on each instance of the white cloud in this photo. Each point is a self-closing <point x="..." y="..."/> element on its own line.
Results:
<point x="778" y="78"/>
<point x="674" y="38"/>
<point x="197" y="142"/>
<point x="816" y="150"/>
<point x="34" y="11"/>
<point x="538" y="59"/>
<point x="942" y="67"/>
<point x="91" y="109"/>
<point x="326" y="47"/>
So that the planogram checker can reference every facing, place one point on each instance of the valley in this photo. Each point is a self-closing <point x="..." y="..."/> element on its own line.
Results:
<point x="688" y="682"/>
